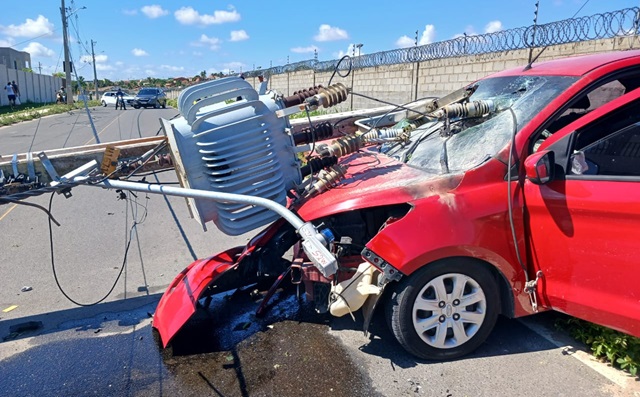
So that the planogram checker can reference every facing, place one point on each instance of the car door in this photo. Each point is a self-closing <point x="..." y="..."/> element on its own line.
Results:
<point x="110" y="98"/>
<point x="584" y="225"/>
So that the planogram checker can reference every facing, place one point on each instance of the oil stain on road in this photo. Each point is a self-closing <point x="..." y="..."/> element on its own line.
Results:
<point x="225" y="351"/>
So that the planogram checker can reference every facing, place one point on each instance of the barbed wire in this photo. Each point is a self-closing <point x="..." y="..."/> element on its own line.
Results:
<point x="624" y="22"/>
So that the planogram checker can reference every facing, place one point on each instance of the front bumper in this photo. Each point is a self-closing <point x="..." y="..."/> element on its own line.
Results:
<point x="145" y="102"/>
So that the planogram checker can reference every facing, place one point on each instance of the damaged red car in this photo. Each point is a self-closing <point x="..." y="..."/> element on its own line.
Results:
<point x="516" y="194"/>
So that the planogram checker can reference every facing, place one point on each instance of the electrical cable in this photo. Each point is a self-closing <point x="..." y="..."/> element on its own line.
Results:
<point x="72" y="127"/>
<point x="510" y="201"/>
<point x="49" y="214"/>
<point x="336" y="69"/>
<point x="313" y="133"/>
<point x="34" y="134"/>
<point x="55" y="274"/>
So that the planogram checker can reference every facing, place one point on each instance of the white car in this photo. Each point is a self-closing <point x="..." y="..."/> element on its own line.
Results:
<point x="109" y="98"/>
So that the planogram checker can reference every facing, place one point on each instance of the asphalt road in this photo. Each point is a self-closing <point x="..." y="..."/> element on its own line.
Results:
<point x="108" y="348"/>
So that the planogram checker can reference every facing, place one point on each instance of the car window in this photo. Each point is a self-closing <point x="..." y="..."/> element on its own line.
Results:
<point x="610" y="146"/>
<point x="599" y="94"/>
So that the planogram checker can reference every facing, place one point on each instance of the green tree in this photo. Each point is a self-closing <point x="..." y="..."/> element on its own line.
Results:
<point x="28" y="70"/>
<point x="203" y="74"/>
<point x="59" y="74"/>
<point x="80" y="84"/>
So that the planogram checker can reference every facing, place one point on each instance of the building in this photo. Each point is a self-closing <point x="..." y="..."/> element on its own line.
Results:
<point x="14" y="59"/>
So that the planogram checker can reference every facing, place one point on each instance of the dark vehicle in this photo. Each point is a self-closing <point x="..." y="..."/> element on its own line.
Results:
<point x="150" y="97"/>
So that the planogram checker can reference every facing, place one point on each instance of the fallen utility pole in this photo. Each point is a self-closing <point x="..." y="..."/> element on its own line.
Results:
<point x="20" y="172"/>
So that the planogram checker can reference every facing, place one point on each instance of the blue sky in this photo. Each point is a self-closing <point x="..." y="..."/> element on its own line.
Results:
<point x="161" y="38"/>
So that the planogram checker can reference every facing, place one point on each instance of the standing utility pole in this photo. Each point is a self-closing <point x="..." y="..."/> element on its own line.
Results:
<point x="67" y="64"/>
<point x="533" y="37"/>
<point x="95" y="78"/>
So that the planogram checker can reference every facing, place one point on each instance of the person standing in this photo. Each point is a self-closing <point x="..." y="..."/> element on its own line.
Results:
<point x="262" y="88"/>
<point x="120" y="100"/>
<point x="16" y="90"/>
<point x="10" y="94"/>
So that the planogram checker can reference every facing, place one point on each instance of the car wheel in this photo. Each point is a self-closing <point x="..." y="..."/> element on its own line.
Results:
<point x="164" y="104"/>
<point x="156" y="105"/>
<point x="445" y="310"/>
<point x="104" y="104"/>
<point x="136" y="107"/>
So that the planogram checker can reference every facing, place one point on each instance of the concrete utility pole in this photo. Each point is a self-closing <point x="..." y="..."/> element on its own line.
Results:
<point x="67" y="64"/>
<point x="95" y="77"/>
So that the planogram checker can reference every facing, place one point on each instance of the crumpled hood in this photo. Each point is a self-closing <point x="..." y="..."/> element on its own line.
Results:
<point x="373" y="180"/>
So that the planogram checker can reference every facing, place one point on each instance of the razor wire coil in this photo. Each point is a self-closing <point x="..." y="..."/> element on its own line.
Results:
<point x="620" y="23"/>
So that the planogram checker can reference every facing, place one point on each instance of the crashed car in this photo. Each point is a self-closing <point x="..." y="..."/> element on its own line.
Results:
<point x="513" y="195"/>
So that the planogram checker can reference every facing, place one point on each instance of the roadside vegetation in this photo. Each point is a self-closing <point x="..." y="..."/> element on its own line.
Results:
<point x="620" y="350"/>
<point x="30" y="111"/>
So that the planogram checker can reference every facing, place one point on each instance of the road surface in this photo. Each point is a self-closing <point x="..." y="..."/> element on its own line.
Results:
<point x="52" y="347"/>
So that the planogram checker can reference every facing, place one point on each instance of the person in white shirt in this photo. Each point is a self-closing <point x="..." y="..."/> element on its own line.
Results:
<point x="10" y="94"/>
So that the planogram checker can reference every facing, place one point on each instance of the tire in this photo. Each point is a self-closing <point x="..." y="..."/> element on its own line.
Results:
<point x="164" y="104"/>
<point x="427" y="318"/>
<point x="156" y="105"/>
<point x="136" y="107"/>
<point x="104" y="104"/>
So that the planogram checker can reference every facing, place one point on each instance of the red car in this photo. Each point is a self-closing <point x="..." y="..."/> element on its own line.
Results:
<point x="520" y="195"/>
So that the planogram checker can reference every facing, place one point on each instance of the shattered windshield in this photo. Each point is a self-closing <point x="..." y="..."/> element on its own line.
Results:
<point x="457" y="144"/>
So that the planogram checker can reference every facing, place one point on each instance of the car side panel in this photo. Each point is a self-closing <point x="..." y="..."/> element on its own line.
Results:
<point x="472" y="221"/>
<point x="585" y="237"/>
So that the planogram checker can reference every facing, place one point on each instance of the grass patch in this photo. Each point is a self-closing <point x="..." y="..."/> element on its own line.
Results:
<point x="31" y="111"/>
<point x="621" y="350"/>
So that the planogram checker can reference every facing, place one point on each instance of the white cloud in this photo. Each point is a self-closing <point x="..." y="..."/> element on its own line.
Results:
<point x="404" y="42"/>
<point x="304" y="50"/>
<point x="139" y="52"/>
<point x="352" y="50"/>
<point x="40" y="27"/>
<point x="130" y="12"/>
<point x="211" y="42"/>
<point x="38" y="50"/>
<point x="7" y="43"/>
<point x="154" y="11"/>
<point x="238" y="35"/>
<point x="172" y="68"/>
<point x="330" y="33"/>
<point x="197" y="54"/>
<point x="100" y="58"/>
<point x="493" y="26"/>
<point x="189" y="16"/>
<point x="150" y="72"/>
<point x="428" y="35"/>
<point x="103" y="67"/>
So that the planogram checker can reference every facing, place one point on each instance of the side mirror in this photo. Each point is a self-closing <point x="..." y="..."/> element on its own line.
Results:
<point x="540" y="167"/>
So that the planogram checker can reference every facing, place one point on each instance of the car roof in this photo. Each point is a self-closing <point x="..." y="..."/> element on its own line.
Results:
<point x="571" y="66"/>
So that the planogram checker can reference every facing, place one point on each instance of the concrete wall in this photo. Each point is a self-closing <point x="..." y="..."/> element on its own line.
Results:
<point x="398" y="83"/>
<point x="33" y="87"/>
